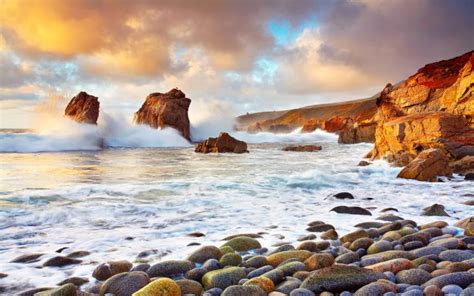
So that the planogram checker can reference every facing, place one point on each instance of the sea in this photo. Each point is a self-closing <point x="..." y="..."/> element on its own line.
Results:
<point x="116" y="192"/>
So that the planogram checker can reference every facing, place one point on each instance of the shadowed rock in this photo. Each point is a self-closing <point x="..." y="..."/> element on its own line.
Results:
<point x="83" y="108"/>
<point x="224" y="143"/>
<point x="166" y="110"/>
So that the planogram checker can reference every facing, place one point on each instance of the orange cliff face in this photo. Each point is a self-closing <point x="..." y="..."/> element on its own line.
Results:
<point x="433" y="108"/>
<point x="166" y="110"/>
<point x="330" y="117"/>
<point x="83" y="108"/>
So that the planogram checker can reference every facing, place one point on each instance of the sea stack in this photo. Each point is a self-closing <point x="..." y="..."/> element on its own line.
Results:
<point x="166" y="110"/>
<point x="83" y="108"/>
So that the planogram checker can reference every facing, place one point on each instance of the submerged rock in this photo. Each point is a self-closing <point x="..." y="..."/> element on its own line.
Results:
<point x="351" y="210"/>
<point x="162" y="110"/>
<point x="434" y="210"/>
<point x="303" y="148"/>
<point x="83" y="108"/>
<point x="222" y="144"/>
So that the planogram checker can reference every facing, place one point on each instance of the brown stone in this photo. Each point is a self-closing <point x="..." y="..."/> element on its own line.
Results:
<point x="303" y="148"/>
<point x="427" y="166"/>
<point x="166" y="110"/>
<point x="223" y="143"/>
<point x="83" y="108"/>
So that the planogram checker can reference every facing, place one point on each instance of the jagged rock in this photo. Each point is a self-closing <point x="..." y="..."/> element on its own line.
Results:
<point x="434" y="108"/>
<point x="463" y="166"/>
<point x="358" y="133"/>
<point x="427" y="166"/>
<point x="222" y="144"/>
<point x="166" y="110"/>
<point x="83" y="108"/>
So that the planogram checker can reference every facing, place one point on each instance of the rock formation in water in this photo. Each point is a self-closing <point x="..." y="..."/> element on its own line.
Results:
<point x="162" y="110"/>
<point x="434" y="108"/>
<point x="223" y="143"/>
<point x="335" y="118"/>
<point x="303" y="148"/>
<point x="83" y="108"/>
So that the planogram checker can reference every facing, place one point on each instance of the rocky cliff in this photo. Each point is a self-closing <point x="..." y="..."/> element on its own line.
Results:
<point x="433" y="108"/>
<point x="333" y="117"/>
<point x="83" y="108"/>
<point x="166" y="110"/>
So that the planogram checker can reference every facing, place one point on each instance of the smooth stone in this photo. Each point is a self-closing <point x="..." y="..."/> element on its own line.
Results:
<point x="196" y="274"/>
<point x="318" y="261"/>
<point x="230" y="259"/>
<point x="394" y="265"/>
<point x="161" y="286"/>
<point x="76" y="281"/>
<point x="292" y="267"/>
<point x="287" y="286"/>
<point x="361" y="243"/>
<point x="276" y="276"/>
<point x="330" y="234"/>
<point x="243" y="243"/>
<point x="337" y="278"/>
<point x="468" y="291"/>
<point x="244" y="290"/>
<point x="277" y="258"/>
<point x="106" y="270"/>
<point x="370" y="289"/>
<point x="170" y="268"/>
<point x="352" y="236"/>
<point x="456" y="255"/>
<point x="347" y="258"/>
<point x="264" y="283"/>
<point x="454" y="290"/>
<point x="308" y="246"/>
<point x="212" y="264"/>
<point x="389" y="218"/>
<point x="306" y="237"/>
<point x="125" y="284"/>
<point x="189" y="287"/>
<point x="351" y="210"/>
<point x="27" y="258"/>
<point x="432" y="291"/>
<point x="64" y="290"/>
<point x="320" y="228"/>
<point x="462" y="279"/>
<point x="60" y="261"/>
<point x="141" y="267"/>
<point x="213" y="292"/>
<point x="434" y="210"/>
<point x="425" y="251"/>
<point x="302" y="292"/>
<point x="256" y="261"/>
<point x="223" y="278"/>
<point x="205" y="253"/>
<point x="78" y="254"/>
<point x="343" y="195"/>
<point x="259" y="271"/>
<point x="380" y="246"/>
<point x="412" y="293"/>
<point x="413" y="276"/>
<point x="367" y="225"/>
<point x="448" y="243"/>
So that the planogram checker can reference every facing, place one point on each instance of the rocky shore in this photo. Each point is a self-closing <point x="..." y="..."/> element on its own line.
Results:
<point x="390" y="255"/>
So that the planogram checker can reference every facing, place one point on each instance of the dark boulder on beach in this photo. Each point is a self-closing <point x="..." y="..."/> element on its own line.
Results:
<point x="83" y="108"/>
<point x="162" y="110"/>
<point x="224" y="143"/>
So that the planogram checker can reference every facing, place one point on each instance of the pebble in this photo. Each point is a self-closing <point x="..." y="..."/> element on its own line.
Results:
<point x="454" y="290"/>
<point x="124" y="284"/>
<point x="302" y="292"/>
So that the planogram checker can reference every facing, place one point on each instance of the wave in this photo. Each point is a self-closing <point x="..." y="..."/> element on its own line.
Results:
<point x="64" y="134"/>
<point x="317" y="136"/>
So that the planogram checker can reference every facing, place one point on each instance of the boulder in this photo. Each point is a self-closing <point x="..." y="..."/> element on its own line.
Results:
<point x="427" y="166"/>
<point x="224" y="143"/>
<point x="463" y="166"/>
<point x="162" y="110"/>
<point x="83" y="108"/>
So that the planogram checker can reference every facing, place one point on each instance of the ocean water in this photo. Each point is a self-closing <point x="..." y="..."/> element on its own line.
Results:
<point x="149" y="190"/>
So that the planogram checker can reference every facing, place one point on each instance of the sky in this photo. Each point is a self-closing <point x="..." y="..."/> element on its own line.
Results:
<point x="226" y="56"/>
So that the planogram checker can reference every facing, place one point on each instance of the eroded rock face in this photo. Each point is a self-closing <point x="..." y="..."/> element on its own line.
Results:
<point x="358" y="133"/>
<point x="223" y="143"/>
<point x="427" y="166"/>
<point x="434" y="108"/>
<point x="83" y="108"/>
<point x="166" y="110"/>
